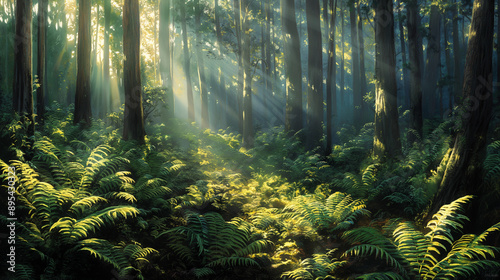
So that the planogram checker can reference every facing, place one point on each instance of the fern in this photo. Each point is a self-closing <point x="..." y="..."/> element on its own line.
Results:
<point x="435" y="255"/>
<point x="320" y="266"/>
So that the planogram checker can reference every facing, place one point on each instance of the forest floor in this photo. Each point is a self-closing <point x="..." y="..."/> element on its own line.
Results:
<point x="193" y="204"/>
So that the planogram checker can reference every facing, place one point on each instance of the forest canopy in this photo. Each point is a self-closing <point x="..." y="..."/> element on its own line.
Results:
<point x="245" y="139"/>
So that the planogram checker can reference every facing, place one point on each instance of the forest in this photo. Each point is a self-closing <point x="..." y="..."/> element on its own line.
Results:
<point x="250" y="139"/>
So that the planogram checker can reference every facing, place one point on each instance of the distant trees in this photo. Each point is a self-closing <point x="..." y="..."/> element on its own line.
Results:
<point x="164" y="42"/>
<point x="246" y="42"/>
<point x="415" y="53"/>
<point x="42" y="27"/>
<point x="133" y="118"/>
<point x="82" y="94"/>
<point x="22" y="97"/>
<point x="386" y="140"/>
<point x="187" y="64"/>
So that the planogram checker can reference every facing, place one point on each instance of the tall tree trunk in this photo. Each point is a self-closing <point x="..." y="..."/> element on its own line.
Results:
<point x="248" y="134"/>
<point x="356" y="93"/>
<point x="164" y="43"/>
<point x="331" y="79"/>
<point x="82" y="95"/>
<point x="415" y="53"/>
<point x="239" y="92"/>
<point x="447" y="58"/>
<point x="457" y="57"/>
<point x="342" y="63"/>
<point x="133" y="116"/>
<point x="23" y="95"/>
<point x="221" y="120"/>
<point x="463" y="173"/>
<point x="315" y="75"/>
<point x="205" y="124"/>
<point x="293" y="67"/>
<point x="362" y="74"/>
<point x="386" y="140"/>
<point x="40" y="94"/>
<point x="498" y="47"/>
<point x="187" y="64"/>
<point x="106" y="87"/>
<point x="404" y="66"/>
<point x="433" y="62"/>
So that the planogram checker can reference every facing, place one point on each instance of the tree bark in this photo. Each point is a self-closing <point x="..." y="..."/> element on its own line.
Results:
<point x="205" y="123"/>
<point x="463" y="175"/>
<point x="342" y="63"/>
<point x="362" y="72"/>
<point x="331" y="79"/>
<point x="457" y="57"/>
<point x="187" y="64"/>
<point x="82" y="96"/>
<point x="40" y="94"/>
<point x="221" y="120"/>
<point x="356" y="93"/>
<point x="133" y="117"/>
<point x="415" y="53"/>
<point x="248" y="134"/>
<point x="293" y="67"/>
<point x="164" y="43"/>
<point x="23" y="95"/>
<point x="404" y="65"/>
<point x="433" y="62"/>
<point x="315" y="75"/>
<point x="386" y="140"/>
<point x="447" y="58"/>
<point x="106" y="87"/>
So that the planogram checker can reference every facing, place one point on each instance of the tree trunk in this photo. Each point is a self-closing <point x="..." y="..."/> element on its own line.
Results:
<point x="293" y="67"/>
<point x="82" y="95"/>
<point x="415" y="53"/>
<point x="239" y="92"/>
<point x="362" y="74"/>
<point x="433" y="62"/>
<point x="406" y="88"/>
<point x="386" y="140"/>
<point x="187" y="64"/>
<point x="498" y="48"/>
<point x="457" y="57"/>
<point x="164" y="43"/>
<point x="205" y="124"/>
<point x="133" y="117"/>
<point x="356" y="93"/>
<point x="342" y="64"/>
<point x="463" y="175"/>
<point x="23" y="95"/>
<point x="106" y="87"/>
<point x="248" y="134"/>
<point x="331" y="79"/>
<point x="315" y="75"/>
<point x="221" y="120"/>
<point x="40" y="94"/>
<point x="447" y="58"/>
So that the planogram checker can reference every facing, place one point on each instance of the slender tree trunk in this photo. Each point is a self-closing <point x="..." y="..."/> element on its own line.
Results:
<point x="221" y="84"/>
<point x="342" y="63"/>
<point x="106" y="89"/>
<point x="187" y="64"/>
<point x="463" y="173"/>
<point x="164" y="43"/>
<point x="248" y="134"/>
<point x="205" y="123"/>
<point x="23" y="95"/>
<point x="356" y="93"/>
<point x="133" y="116"/>
<point x="293" y="67"/>
<point x="362" y="74"/>
<point x="498" y="49"/>
<point x="447" y="58"/>
<point x="331" y="79"/>
<point x="433" y="62"/>
<point x="82" y="95"/>
<point x="404" y="66"/>
<point x="457" y="57"/>
<point x="239" y="93"/>
<point x="386" y="140"/>
<point x="415" y="52"/>
<point x="42" y="23"/>
<point x="315" y="75"/>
